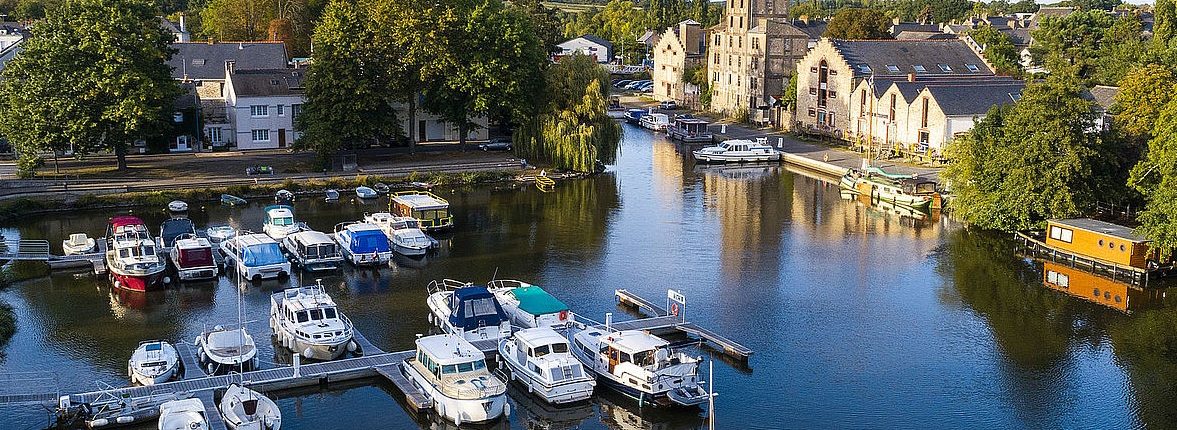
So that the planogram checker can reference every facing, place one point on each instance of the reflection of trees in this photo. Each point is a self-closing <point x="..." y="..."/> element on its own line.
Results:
<point x="1146" y="344"/>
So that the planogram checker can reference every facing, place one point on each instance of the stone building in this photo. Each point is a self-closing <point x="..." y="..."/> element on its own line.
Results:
<point x="829" y="74"/>
<point x="751" y="58"/>
<point x="679" y="48"/>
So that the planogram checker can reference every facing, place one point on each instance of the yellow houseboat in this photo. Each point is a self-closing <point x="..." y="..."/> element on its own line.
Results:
<point x="1098" y="289"/>
<point x="432" y="211"/>
<point x="1100" y="246"/>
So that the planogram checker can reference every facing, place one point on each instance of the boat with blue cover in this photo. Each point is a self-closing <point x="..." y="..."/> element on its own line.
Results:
<point x="255" y="257"/>
<point x="362" y="244"/>
<point x="467" y="310"/>
<point x="529" y="305"/>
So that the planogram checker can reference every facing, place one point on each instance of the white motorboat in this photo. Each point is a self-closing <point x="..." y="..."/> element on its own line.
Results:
<point x="255" y="257"/>
<point x="362" y="244"/>
<point x="365" y="192"/>
<point x="529" y="305"/>
<point x="404" y="233"/>
<point x="331" y="195"/>
<point x="736" y="151"/>
<point x="467" y="310"/>
<point x="313" y="250"/>
<point x="279" y="222"/>
<point x="192" y="257"/>
<point x="79" y="243"/>
<point x="184" y="414"/>
<point x="655" y="121"/>
<point x="220" y="233"/>
<point x="131" y="257"/>
<point x="177" y="209"/>
<point x="223" y="350"/>
<point x="539" y="358"/>
<point x="453" y="373"/>
<point x="305" y="320"/>
<point x="245" y="409"/>
<point x="284" y="198"/>
<point x="641" y="366"/>
<point x="881" y="186"/>
<point x="153" y="362"/>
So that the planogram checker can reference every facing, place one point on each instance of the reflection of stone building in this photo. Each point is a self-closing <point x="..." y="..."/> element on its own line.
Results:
<point x="752" y="204"/>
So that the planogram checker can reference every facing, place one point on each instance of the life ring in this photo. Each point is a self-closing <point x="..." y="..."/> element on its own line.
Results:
<point x="564" y="315"/>
<point x="674" y="309"/>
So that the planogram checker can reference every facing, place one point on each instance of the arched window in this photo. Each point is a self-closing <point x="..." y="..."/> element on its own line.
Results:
<point x="823" y="77"/>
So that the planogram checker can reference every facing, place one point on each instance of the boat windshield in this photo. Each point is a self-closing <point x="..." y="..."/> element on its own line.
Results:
<point x="284" y="221"/>
<point x="479" y="307"/>
<point x="560" y="348"/>
<point x="403" y="224"/>
<point x="142" y="251"/>
<point x="197" y="256"/>
<point x="463" y="367"/>
<point x="644" y="358"/>
<point x="317" y="314"/>
<point x="432" y="214"/>
<point x="320" y="251"/>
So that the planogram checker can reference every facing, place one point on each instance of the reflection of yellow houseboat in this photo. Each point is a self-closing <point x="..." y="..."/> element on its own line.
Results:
<point x="1100" y="246"/>
<point x="1098" y="289"/>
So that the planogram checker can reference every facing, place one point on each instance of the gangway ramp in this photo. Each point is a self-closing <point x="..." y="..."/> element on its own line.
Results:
<point x="29" y="388"/>
<point x="24" y="250"/>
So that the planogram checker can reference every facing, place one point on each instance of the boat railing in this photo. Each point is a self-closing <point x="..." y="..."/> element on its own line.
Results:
<point x="447" y="284"/>
<point x="505" y="283"/>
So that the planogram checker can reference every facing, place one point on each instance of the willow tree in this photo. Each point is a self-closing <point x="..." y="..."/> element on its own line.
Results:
<point x="574" y="131"/>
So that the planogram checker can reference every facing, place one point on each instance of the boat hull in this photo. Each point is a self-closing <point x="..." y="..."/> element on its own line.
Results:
<point x="570" y="391"/>
<point x="322" y="351"/>
<point x="368" y="259"/>
<point x="144" y="379"/>
<point x="703" y="157"/>
<point x="460" y="411"/>
<point x="137" y="282"/>
<point x="409" y="251"/>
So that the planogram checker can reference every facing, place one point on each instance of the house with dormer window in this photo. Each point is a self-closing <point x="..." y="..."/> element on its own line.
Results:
<point x="262" y="105"/>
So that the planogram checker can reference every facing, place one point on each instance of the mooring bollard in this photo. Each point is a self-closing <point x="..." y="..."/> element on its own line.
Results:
<point x="723" y="128"/>
<point x="780" y="142"/>
<point x="297" y="360"/>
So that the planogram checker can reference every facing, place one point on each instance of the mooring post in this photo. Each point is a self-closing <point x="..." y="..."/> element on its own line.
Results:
<point x="297" y="359"/>
<point x="608" y="320"/>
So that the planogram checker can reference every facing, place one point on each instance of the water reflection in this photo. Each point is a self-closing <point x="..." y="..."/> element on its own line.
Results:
<point x="1097" y="289"/>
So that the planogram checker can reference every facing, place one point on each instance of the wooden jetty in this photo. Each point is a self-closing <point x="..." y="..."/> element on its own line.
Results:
<point x="413" y="396"/>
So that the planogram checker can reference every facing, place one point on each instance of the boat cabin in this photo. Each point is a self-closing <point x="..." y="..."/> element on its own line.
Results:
<point x="474" y="307"/>
<point x="1099" y="240"/>
<point x="313" y="314"/>
<point x="448" y="356"/>
<point x="127" y="229"/>
<point x="532" y="344"/>
<point x="254" y="250"/>
<point x="279" y="215"/>
<point x="364" y="238"/>
<point x="691" y="126"/>
<point x="741" y="145"/>
<point x="1097" y="289"/>
<point x="173" y="229"/>
<point x="432" y="211"/>
<point x="311" y="247"/>
<point x="194" y="252"/>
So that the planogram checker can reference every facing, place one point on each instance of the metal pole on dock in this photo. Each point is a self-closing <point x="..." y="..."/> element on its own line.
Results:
<point x="711" y="395"/>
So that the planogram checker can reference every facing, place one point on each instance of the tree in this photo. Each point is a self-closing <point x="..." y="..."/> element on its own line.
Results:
<point x="1031" y="161"/>
<point x="1156" y="178"/>
<point x="1072" y="43"/>
<point x="1164" y="27"/>
<point x="348" y="84"/>
<point x="93" y="77"/>
<point x="999" y="50"/>
<point x="500" y="59"/>
<point x="574" y="130"/>
<point x="1122" y="47"/>
<point x="1144" y="92"/>
<point x="858" y="24"/>
<point x="238" y="19"/>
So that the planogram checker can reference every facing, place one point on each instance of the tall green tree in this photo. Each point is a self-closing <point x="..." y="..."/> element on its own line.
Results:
<point x="999" y="50"/>
<point x="93" y="77"/>
<point x="500" y="60"/>
<point x="1144" y="92"/>
<point x="1164" y="29"/>
<point x="1072" y="43"/>
<point x="1122" y="48"/>
<point x="1031" y="161"/>
<point x="574" y="130"/>
<point x="349" y="85"/>
<point x="858" y="24"/>
<point x="1156" y="178"/>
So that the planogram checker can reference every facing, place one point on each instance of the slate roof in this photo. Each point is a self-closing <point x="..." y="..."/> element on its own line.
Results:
<point x="971" y="100"/>
<point x="600" y="41"/>
<point x="268" y="82"/>
<point x="907" y="54"/>
<point x="201" y="60"/>
<point x="188" y="97"/>
<point x="1020" y="37"/>
<point x="815" y="29"/>
<point x="1102" y="95"/>
<point x="914" y="27"/>
<point x="169" y="26"/>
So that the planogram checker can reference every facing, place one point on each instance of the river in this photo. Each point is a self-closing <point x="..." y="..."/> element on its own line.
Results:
<point x="859" y="317"/>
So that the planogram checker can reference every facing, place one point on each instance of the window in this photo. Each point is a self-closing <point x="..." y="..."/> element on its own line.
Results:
<point x="864" y="68"/>
<point x="753" y="84"/>
<point x="295" y="109"/>
<point x="833" y="73"/>
<point x="892" y="68"/>
<point x="830" y="118"/>
<point x="972" y="68"/>
<point x="259" y="110"/>
<point x="919" y="68"/>
<point x="729" y="60"/>
<point x="813" y="70"/>
<point x="1059" y="233"/>
<point x="280" y="112"/>
<point x="924" y="138"/>
<point x="812" y="113"/>
<point x="944" y="68"/>
<point x="261" y="135"/>
<point x="862" y="104"/>
<point x="832" y="95"/>
<point x="214" y="134"/>
<point x="813" y="91"/>
<point x="717" y="40"/>
<point x="716" y="58"/>
<point x="924" y="114"/>
<point x="891" y="113"/>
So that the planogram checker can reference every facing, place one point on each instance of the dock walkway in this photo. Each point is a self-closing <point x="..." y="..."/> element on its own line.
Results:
<point x="417" y="399"/>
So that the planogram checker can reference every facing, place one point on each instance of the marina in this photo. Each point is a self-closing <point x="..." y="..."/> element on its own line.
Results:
<point x="876" y="320"/>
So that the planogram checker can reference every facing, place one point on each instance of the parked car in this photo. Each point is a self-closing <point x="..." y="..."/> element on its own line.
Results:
<point x="622" y="83"/>
<point x="496" y="144"/>
<point x="259" y="170"/>
<point x="634" y="85"/>
<point x="668" y="105"/>
<point x="646" y="87"/>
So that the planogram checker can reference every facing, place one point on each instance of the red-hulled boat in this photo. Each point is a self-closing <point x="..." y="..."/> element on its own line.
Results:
<point x="132" y="259"/>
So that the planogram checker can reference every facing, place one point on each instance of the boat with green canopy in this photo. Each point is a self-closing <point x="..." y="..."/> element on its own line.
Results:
<point x="529" y="305"/>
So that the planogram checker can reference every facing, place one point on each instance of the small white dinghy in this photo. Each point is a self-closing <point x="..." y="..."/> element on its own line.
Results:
<point x="365" y="192"/>
<point x="220" y="233"/>
<point x="153" y="362"/>
<point x="186" y="414"/>
<point x="224" y="350"/>
<point x="245" y="409"/>
<point x="78" y="243"/>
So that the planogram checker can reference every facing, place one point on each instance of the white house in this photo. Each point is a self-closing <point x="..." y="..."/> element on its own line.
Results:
<point x="262" y="104"/>
<point x="588" y="44"/>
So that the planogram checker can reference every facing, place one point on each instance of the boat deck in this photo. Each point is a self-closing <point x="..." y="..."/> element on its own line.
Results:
<point x="1133" y="276"/>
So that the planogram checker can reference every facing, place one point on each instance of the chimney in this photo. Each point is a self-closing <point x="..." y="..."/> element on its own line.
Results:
<point x="183" y="25"/>
<point x="805" y="19"/>
<point x="911" y="77"/>
<point x="229" y="66"/>
<point x="895" y="21"/>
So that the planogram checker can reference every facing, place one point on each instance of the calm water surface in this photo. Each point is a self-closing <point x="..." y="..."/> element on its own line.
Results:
<point x="860" y="317"/>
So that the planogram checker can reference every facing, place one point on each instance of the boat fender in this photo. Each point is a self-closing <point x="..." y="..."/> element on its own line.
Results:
<point x="352" y="346"/>
<point x="101" y="422"/>
<point x="506" y="409"/>
<point x="458" y="418"/>
<point x="307" y="353"/>
<point x="167" y="279"/>
<point x="125" y="419"/>
<point x="530" y="389"/>
<point x="210" y="368"/>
